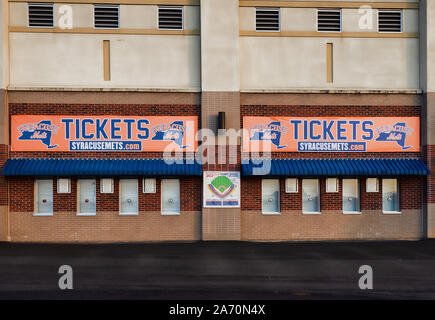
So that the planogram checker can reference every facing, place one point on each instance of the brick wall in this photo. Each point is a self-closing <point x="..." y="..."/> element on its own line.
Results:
<point x="332" y="223"/>
<point x="107" y="225"/>
<point x="186" y="226"/>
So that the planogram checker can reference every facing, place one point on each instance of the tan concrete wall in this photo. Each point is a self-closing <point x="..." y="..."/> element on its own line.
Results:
<point x="105" y="227"/>
<point x="219" y="45"/>
<point x="295" y="62"/>
<point x="76" y="60"/>
<point x="331" y="225"/>
<point x="3" y="44"/>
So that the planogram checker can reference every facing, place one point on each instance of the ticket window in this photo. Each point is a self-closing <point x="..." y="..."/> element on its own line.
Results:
<point x="44" y="197"/>
<point x="129" y="196"/>
<point x="270" y="196"/>
<point x="390" y="196"/>
<point x="351" y="196"/>
<point x="310" y="196"/>
<point x="170" y="196"/>
<point x="87" y="197"/>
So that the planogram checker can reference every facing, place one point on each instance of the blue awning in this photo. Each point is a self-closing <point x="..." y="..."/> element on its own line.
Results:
<point x="100" y="167"/>
<point x="336" y="167"/>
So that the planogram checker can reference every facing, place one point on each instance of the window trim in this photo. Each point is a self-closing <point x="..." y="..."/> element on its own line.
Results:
<point x="268" y="9"/>
<point x="120" y="199"/>
<point x="337" y="185"/>
<point x="297" y="185"/>
<point x="330" y="10"/>
<point x="112" y="183"/>
<point x="85" y="214"/>
<point x="358" y="185"/>
<point x="40" y="4"/>
<point x="107" y="6"/>
<point x="398" y="196"/>
<point x="401" y="21"/>
<point x="144" y="184"/>
<point x="279" y="198"/>
<point x="170" y="7"/>
<point x="36" y="199"/>
<point x="167" y="213"/>
<point x="377" y="185"/>
<point x="319" y="201"/>
<point x="58" y="185"/>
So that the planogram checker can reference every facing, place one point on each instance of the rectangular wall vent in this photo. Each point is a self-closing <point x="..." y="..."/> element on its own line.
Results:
<point x="41" y="15"/>
<point x="106" y="16"/>
<point x="329" y="20"/>
<point x="390" y="21"/>
<point x="267" y="19"/>
<point x="171" y="18"/>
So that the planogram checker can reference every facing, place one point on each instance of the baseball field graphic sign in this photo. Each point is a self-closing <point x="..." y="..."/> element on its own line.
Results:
<point x="221" y="189"/>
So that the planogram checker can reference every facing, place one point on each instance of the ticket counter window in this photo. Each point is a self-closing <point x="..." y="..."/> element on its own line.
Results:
<point x="270" y="196"/>
<point x="310" y="196"/>
<point x="44" y="197"/>
<point x="351" y="196"/>
<point x="129" y="196"/>
<point x="390" y="196"/>
<point x="87" y="197"/>
<point x="170" y="196"/>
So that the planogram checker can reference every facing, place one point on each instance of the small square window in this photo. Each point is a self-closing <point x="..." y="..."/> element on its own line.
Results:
<point x="390" y="21"/>
<point x="41" y="15"/>
<point x="170" y="18"/>
<point x="267" y="19"/>
<point x="291" y="185"/>
<point x="106" y="16"/>
<point x="149" y="185"/>
<point x="372" y="185"/>
<point x="106" y="185"/>
<point x="63" y="185"/>
<point x="328" y="20"/>
<point x="331" y="185"/>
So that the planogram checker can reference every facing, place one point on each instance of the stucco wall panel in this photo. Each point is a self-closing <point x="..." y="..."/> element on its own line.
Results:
<point x="76" y="60"/>
<point x="289" y="62"/>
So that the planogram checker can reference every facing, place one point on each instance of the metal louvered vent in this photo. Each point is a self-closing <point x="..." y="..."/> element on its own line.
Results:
<point x="390" y="21"/>
<point x="41" y="15"/>
<point x="106" y="16"/>
<point x="171" y="18"/>
<point x="329" y="20"/>
<point x="267" y="19"/>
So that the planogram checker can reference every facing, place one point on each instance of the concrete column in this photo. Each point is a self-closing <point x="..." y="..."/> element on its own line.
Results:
<point x="4" y="126"/>
<point x="427" y="83"/>
<point x="220" y="93"/>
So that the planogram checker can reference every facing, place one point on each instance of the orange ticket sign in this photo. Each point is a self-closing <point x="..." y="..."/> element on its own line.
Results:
<point x="103" y="133"/>
<point x="331" y="134"/>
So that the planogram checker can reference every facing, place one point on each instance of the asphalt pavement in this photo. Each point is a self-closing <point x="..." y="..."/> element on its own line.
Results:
<point x="219" y="270"/>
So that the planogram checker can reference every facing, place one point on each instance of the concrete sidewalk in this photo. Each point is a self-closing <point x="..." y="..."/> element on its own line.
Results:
<point x="219" y="270"/>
